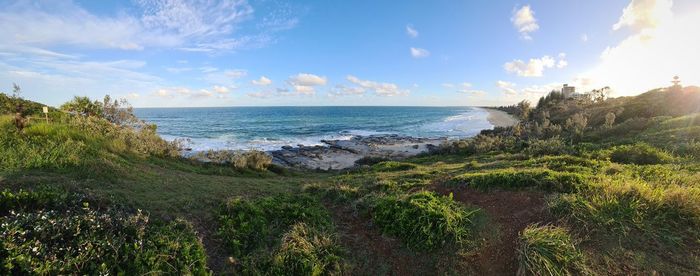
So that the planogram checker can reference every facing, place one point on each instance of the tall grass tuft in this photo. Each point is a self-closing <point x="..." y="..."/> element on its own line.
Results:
<point x="549" y="250"/>
<point x="542" y="179"/>
<point x="424" y="220"/>
<point x="634" y="209"/>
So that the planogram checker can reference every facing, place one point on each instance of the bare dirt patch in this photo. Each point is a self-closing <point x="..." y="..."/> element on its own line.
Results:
<point x="372" y="253"/>
<point x="511" y="212"/>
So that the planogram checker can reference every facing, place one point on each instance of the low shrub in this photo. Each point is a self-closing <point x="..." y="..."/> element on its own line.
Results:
<point x="254" y="160"/>
<point x="640" y="154"/>
<point x="565" y="163"/>
<point x="549" y="250"/>
<point x="306" y="251"/>
<point x="247" y="226"/>
<point x="542" y="179"/>
<point x="83" y="240"/>
<point x="481" y="143"/>
<point x="390" y="166"/>
<point x="423" y="220"/>
<point x="551" y="146"/>
<point x="369" y="160"/>
<point x="338" y="192"/>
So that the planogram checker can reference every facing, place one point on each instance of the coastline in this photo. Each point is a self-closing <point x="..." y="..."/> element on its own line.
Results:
<point x="339" y="154"/>
<point x="500" y="118"/>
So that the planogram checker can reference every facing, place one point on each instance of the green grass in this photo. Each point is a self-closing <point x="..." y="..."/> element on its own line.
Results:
<point x="640" y="154"/>
<point x="549" y="250"/>
<point x="424" y="220"/>
<point x="541" y="179"/>
<point x="634" y="210"/>
<point x="295" y="228"/>
<point x="390" y="166"/>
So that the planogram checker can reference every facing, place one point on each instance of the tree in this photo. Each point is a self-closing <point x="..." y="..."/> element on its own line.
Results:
<point x="609" y="119"/>
<point x="83" y="106"/>
<point x="576" y="125"/>
<point x="599" y="95"/>
<point x="118" y="111"/>
<point x="524" y="108"/>
<point x="16" y="101"/>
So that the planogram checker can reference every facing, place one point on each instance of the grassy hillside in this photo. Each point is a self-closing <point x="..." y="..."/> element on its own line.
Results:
<point x="567" y="191"/>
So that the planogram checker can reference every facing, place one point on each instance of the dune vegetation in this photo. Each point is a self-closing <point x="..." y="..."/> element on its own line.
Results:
<point x="583" y="185"/>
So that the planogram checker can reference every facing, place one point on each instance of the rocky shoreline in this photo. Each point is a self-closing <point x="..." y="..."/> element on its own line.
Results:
<point x="342" y="154"/>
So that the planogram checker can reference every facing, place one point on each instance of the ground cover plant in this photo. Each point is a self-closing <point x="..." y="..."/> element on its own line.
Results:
<point x="424" y="220"/>
<point x="296" y="229"/>
<point x="543" y="179"/>
<point x="549" y="250"/>
<point x="50" y="233"/>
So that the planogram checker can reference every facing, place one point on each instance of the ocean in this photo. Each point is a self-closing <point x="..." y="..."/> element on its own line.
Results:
<point x="270" y="128"/>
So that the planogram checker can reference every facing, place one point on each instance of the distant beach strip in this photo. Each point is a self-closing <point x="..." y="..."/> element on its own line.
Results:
<point x="500" y="118"/>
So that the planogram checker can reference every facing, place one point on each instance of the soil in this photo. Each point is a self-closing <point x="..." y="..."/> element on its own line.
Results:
<point x="373" y="253"/>
<point x="511" y="211"/>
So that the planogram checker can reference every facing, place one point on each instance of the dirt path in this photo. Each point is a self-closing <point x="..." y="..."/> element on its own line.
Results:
<point x="371" y="252"/>
<point x="512" y="211"/>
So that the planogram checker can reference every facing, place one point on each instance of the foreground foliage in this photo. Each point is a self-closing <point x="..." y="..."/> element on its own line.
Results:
<point x="424" y="220"/>
<point x="549" y="250"/>
<point x="42" y="234"/>
<point x="272" y="234"/>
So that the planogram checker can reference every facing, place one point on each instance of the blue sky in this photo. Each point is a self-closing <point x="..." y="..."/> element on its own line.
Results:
<point x="266" y="52"/>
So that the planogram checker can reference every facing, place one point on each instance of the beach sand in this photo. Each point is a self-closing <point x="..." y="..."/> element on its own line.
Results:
<point x="500" y="119"/>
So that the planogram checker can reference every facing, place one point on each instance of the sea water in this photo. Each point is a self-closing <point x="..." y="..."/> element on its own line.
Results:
<point x="270" y="128"/>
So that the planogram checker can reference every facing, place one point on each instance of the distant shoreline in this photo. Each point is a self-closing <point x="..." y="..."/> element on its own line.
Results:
<point x="500" y="118"/>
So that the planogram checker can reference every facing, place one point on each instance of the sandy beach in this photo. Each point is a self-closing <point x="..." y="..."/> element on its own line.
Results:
<point x="499" y="118"/>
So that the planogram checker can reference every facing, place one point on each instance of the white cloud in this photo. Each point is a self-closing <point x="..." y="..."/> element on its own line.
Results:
<point x="263" y="81"/>
<point x="411" y="32"/>
<point x="448" y="85"/>
<point x="584" y="38"/>
<point x="380" y="89"/>
<point x="177" y="70"/>
<point x="342" y="90"/>
<point x="534" y="92"/>
<point x="133" y="96"/>
<point x="221" y="89"/>
<point x="184" y="92"/>
<point x="525" y="22"/>
<point x="225" y="77"/>
<point x="507" y="87"/>
<point x="304" y="83"/>
<point x="535" y="66"/>
<point x="474" y="93"/>
<point x="199" y="25"/>
<point x="419" y="53"/>
<point x="643" y="14"/>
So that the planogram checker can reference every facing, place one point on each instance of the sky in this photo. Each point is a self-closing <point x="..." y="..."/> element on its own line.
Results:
<point x="198" y="53"/>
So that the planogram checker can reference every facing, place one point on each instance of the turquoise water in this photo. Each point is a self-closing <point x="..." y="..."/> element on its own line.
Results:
<point x="269" y="128"/>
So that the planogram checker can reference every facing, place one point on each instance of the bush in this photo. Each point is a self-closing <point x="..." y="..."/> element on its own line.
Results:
<point x="247" y="226"/>
<point x="538" y="178"/>
<point x="82" y="240"/>
<point x="551" y="146"/>
<point x="479" y="144"/>
<point x="548" y="250"/>
<point x="565" y="163"/>
<point x="390" y="166"/>
<point x="369" y="160"/>
<point x="254" y="160"/>
<point x="633" y="208"/>
<point x="307" y="251"/>
<point x="640" y="154"/>
<point x="337" y="192"/>
<point x="424" y="220"/>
